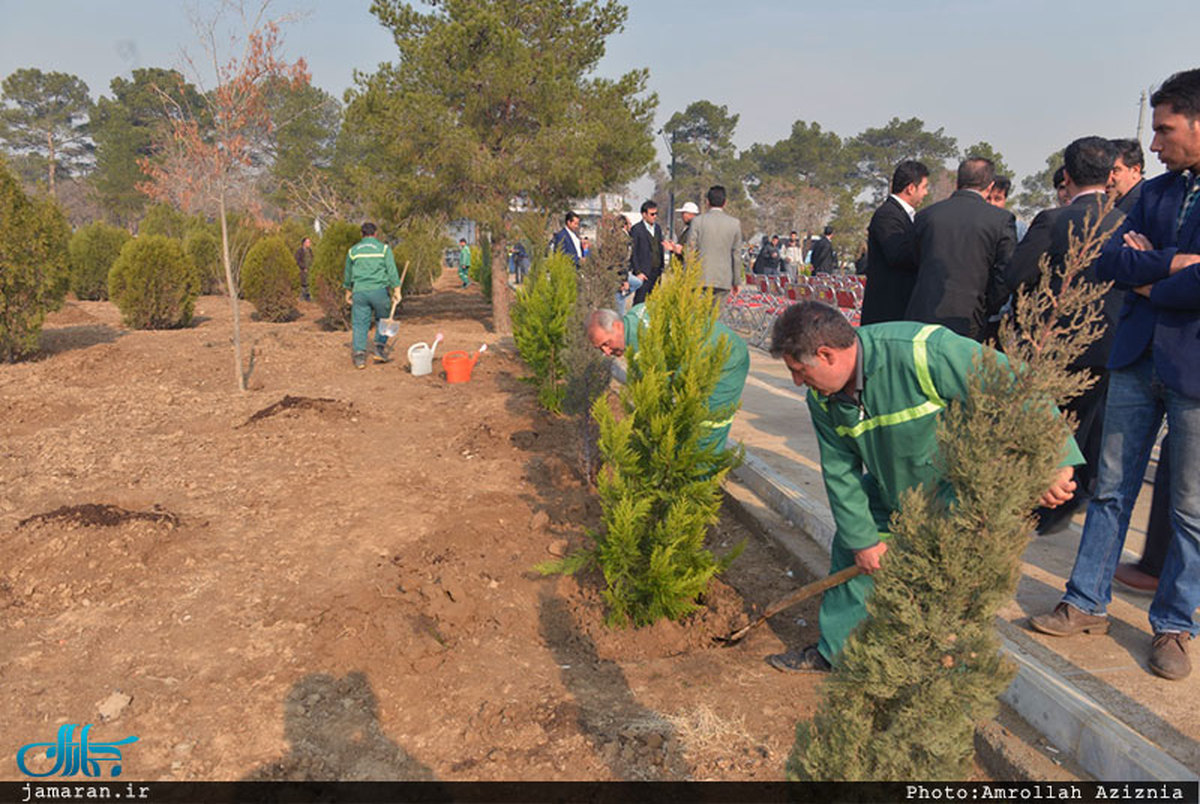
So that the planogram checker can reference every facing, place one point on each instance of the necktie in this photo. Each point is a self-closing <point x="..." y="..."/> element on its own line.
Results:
<point x="1189" y="201"/>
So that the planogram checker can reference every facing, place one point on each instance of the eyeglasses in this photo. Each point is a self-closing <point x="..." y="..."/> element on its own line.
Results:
<point x="652" y="213"/>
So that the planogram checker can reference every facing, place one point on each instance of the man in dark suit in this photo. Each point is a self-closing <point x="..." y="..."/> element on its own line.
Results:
<point x="646" y="251"/>
<point x="1126" y="182"/>
<point x="962" y="246"/>
<point x="1154" y="369"/>
<point x="891" y="259"/>
<point x="566" y="240"/>
<point x="1089" y="165"/>
<point x="822" y="257"/>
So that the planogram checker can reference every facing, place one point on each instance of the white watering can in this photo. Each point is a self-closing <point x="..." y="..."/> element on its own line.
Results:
<point x="420" y="356"/>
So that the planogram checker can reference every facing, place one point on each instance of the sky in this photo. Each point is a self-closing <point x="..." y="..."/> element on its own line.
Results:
<point x="1027" y="76"/>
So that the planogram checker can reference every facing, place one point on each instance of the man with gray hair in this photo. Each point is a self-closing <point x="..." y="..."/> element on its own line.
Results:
<point x="875" y="395"/>
<point x="617" y="336"/>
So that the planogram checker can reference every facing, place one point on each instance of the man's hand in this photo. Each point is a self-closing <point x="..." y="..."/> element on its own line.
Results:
<point x="1143" y="290"/>
<point x="868" y="559"/>
<point x="1181" y="261"/>
<point x="396" y="294"/>
<point x="349" y="297"/>
<point x="1138" y="241"/>
<point x="1061" y="490"/>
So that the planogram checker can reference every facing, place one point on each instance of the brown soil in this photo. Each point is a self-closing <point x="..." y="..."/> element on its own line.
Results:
<point x="329" y="576"/>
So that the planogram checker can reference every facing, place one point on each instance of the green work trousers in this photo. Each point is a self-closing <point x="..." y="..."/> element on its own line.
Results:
<point x="367" y="306"/>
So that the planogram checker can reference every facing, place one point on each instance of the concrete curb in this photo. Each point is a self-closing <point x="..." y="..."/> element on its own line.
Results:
<point x="1073" y="722"/>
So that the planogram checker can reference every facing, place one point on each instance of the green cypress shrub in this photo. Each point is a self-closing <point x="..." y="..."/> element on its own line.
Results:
<point x="204" y="250"/>
<point x="93" y="250"/>
<point x="164" y="220"/>
<point x="154" y="284"/>
<point x="660" y="489"/>
<point x="481" y="267"/>
<point x="925" y="666"/>
<point x="325" y="276"/>
<point x="34" y="266"/>
<point x="271" y="279"/>
<point x="541" y="313"/>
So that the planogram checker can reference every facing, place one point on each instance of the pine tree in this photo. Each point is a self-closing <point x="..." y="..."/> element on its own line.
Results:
<point x="541" y="313"/>
<point x="660" y="485"/>
<point x="925" y="667"/>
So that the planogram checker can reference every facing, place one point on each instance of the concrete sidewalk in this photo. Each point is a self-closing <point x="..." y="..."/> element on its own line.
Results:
<point x="1092" y="697"/>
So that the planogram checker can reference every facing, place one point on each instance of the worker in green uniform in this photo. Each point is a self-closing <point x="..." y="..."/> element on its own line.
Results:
<point x="617" y="335"/>
<point x="464" y="262"/>
<point x="874" y="397"/>
<point x="371" y="281"/>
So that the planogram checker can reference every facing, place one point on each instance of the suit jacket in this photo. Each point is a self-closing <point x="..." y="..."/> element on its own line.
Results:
<point x="1169" y="321"/>
<point x="891" y="264"/>
<point x="717" y="237"/>
<point x="646" y="255"/>
<point x="821" y="257"/>
<point x="1023" y="268"/>
<point x="1130" y="198"/>
<point x="563" y="242"/>
<point x="962" y="246"/>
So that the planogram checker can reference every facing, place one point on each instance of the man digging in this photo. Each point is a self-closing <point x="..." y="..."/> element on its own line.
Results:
<point x="874" y="397"/>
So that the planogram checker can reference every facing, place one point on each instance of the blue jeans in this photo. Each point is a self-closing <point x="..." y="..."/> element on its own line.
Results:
<point x="1137" y="402"/>
<point x="365" y="306"/>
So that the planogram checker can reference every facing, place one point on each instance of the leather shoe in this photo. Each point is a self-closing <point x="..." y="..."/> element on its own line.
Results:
<point x="1066" y="620"/>
<point x="1129" y="575"/>
<point x="1168" y="655"/>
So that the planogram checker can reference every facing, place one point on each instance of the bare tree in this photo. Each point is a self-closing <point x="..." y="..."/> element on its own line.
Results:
<point x="213" y="168"/>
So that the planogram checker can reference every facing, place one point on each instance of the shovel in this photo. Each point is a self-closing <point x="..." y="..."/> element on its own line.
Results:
<point x="390" y="327"/>
<point x="803" y="593"/>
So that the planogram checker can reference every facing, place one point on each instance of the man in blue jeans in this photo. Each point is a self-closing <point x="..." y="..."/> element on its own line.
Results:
<point x="1154" y="371"/>
<point x="371" y="282"/>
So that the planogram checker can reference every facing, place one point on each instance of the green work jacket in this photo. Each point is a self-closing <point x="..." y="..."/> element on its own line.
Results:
<point x="873" y="451"/>
<point x="370" y="265"/>
<point x="732" y="380"/>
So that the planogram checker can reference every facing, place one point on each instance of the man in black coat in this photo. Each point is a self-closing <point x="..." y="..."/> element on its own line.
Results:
<point x="646" y="251"/>
<point x="1126" y="182"/>
<point x="822" y="257"/>
<point x="1088" y="166"/>
<point x="891" y="259"/>
<point x="962" y="246"/>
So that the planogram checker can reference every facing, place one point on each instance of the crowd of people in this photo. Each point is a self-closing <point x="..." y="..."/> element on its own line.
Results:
<point x="939" y="280"/>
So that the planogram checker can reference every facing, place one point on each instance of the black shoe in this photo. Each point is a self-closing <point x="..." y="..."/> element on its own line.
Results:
<point x="381" y="353"/>
<point x="360" y="360"/>
<point x="805" y="660"/>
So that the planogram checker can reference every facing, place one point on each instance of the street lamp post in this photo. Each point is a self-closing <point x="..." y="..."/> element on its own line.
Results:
<point x="670" y="143"/>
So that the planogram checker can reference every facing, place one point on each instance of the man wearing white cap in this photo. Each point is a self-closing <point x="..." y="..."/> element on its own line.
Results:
<point x="717" y="237"/>
<point x="686" y="212"/>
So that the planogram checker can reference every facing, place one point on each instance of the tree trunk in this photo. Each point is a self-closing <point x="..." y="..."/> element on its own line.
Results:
<point x="239" y="375"/>
<point x="50" y="147"/>
<point x="500" y="301"/>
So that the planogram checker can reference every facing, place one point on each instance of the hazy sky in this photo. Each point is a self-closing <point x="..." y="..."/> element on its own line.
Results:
<point x="1025" y="75"/>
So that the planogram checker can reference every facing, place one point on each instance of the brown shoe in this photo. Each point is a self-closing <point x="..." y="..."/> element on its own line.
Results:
<point x="1066" y="620"/>
<point x="1168" y="655"/>
<point x="1129" y="575"/>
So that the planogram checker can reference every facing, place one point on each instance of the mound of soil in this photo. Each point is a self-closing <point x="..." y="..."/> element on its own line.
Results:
<point x="330" y="576"/>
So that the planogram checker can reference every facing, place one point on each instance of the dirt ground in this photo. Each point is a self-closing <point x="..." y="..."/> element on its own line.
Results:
<point x="340" y="588"/>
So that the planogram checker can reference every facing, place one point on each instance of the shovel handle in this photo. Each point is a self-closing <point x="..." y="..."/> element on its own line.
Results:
<point x="803" y="593"/>
<point x="399" y="291"/>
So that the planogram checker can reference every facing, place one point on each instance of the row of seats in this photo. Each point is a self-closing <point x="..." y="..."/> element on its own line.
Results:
<point x="752" y="309"/>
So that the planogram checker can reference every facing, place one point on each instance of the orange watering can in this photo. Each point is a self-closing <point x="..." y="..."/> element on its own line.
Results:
<point x="458" y="364"/>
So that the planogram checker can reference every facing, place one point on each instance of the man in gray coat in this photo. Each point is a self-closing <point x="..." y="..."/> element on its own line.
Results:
<point x="716" y="236"/>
